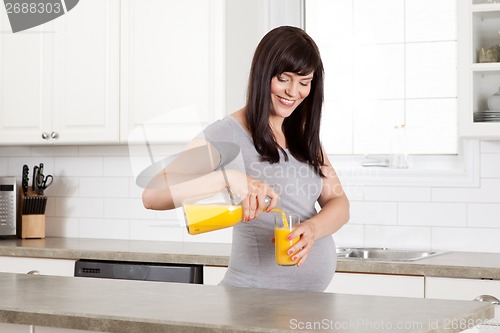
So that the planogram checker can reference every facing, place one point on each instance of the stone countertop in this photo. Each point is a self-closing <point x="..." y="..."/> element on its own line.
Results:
<point x="123" y="306"/>
<point x="452" y="264"/>
<point x="124" y="250"/>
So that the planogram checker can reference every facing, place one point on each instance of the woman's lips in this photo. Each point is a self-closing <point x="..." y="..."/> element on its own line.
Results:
<point x="286" y="102"/>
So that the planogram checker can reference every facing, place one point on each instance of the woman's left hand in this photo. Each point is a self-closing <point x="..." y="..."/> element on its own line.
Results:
<point x="303" y="247"/>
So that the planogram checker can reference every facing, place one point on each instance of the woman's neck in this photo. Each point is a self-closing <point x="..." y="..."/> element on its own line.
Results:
<point x="276" y="124"/>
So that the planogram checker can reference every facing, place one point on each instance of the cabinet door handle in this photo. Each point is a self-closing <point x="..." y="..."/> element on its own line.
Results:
<point x="488" y="298"/>
<point x="34" y="272"/>
<point x="45" y="135"/>
<point x="54" y="135"/>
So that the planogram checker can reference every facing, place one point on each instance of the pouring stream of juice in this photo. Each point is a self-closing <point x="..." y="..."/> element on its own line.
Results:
<point x="283" y="215"/>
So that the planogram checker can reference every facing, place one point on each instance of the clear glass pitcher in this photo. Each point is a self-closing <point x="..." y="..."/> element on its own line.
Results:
<point x="213" y="212"/>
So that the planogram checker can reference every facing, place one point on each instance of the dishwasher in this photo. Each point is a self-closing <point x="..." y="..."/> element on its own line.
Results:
<point x="126" y="270"/>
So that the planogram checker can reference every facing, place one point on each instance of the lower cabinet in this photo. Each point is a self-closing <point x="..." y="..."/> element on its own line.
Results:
<point x="377" y="284"/>
<point x="43" y="329"/>
<point x="24" y="265"/>
<point x="350" y="283"/>
<point x="213" y="275"/>
<point x="15" y="328"/>
<point x="467" y="289"/>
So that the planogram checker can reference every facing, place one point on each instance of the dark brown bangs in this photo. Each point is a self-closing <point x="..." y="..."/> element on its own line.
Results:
<point x="300" y="59"/>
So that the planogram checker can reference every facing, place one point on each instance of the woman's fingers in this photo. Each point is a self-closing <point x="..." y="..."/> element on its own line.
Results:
<point x="255" y="200"/>
<point x="300" y="251"/>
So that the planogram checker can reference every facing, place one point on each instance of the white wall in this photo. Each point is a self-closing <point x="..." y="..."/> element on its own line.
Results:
<point x="94" y="196"/>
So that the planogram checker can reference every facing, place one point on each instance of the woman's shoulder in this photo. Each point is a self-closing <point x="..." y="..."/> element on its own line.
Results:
<point x="227" y="128"/>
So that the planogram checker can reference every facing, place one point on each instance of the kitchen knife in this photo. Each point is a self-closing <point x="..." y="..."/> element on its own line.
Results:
<point x="35" y="176"/>
<point x="25" y="180"/>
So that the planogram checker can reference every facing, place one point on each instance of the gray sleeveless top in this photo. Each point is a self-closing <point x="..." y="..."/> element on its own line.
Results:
<point x="252" y="261"/>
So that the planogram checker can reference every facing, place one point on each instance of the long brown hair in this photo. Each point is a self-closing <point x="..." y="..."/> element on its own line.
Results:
<point x="286" y="49"/>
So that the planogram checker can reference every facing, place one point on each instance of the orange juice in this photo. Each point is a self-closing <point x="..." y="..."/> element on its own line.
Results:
<point x="209" y="217"/>
<point x="282" y="245"/>
<point x="283" y="216"/>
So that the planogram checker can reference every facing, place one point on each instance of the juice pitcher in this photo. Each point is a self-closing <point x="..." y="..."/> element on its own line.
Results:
<point x="216" y="211"/>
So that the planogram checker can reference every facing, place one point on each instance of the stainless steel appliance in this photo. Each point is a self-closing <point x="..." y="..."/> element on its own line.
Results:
<point x="139" y="271"/>
<point x="8" y="203"/>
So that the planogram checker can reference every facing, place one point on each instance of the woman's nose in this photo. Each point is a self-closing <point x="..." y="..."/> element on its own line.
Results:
<point x="291" y="90"/>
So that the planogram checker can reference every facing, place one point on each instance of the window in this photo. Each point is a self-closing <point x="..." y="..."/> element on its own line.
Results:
<point x="387" y="63"/>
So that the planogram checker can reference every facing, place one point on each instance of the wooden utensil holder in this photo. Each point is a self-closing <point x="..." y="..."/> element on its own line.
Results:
<point x="30" y="225"/>
<point x="33" y="226"/>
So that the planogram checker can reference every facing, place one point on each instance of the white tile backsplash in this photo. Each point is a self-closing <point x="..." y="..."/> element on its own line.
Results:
<point x="117" y="166"/>
<point x="483" y="215"/>
<point x="364" y="212"/>
<point x="64" y="187"/>
<point x="126" y="208"/>
<point x="105" y="187"/>
<point x="433" y="213"/>
<point x="489" y="191"/>
<point x="350" y="235"/>
<point x="94" y="195"/>
<point x="79" y="166"/>
<point x="397" y="194"/>
<point x="400" y="237"/>
<point x="104" y="228"/>
<point x="78" y="207"/>
<point x="158" y="230"/>
<point x="466" y="239"/>
<point x="15" y="151"/>
<point x="62" y="227"/>
<point x="121" y="150"/>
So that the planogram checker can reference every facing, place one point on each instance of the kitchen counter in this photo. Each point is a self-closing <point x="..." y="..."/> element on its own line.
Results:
<point x="472" y="265"/>
<point x="123" y="306"/>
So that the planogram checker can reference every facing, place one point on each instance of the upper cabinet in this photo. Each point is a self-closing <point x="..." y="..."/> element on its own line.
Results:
<point x="25" y="83"/>
<point x="86" y="73"/>
<point x="111" y="71"/>
<point x="479" y="69"/>
<point x="60" y="81"/>
<point x="172" y="60"/>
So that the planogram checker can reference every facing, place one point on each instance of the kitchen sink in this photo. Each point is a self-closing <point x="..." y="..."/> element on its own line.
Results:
<point x="384" y="254"/>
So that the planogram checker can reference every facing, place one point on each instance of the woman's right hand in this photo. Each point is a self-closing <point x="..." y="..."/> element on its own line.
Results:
<point x="254" y="202"/>
<point x="254" y="193"/>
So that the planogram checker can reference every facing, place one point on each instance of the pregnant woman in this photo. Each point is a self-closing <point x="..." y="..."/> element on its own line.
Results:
<point x="277" y="132"/>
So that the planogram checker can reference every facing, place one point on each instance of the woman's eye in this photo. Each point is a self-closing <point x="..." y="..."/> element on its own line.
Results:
<point x="282" y="79"/>
<point x="305" y="84"/>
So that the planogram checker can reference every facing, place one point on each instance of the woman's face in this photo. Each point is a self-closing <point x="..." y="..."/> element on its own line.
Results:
<point x="288" y="90"/>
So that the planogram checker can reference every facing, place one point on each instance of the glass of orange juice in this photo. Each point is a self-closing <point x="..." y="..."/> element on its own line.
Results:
<point x="284" y="224"/>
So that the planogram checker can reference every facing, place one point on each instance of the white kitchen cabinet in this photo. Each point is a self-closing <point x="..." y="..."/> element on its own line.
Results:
<point x="15" y="328"/>
<point x="43" y="329"/>
<point x="377" y="284"/>
<point x="86" y="73"/>
<point x="466" y="289"/>
<point x="460" y="289"/>
<point x="478" y="29"/>
<point x="59" y="82"/>
<point x="24" y="265"/>
<point x="213" y="275"/>
<point x="25" y="83"/>
<point x="172" y="62"/>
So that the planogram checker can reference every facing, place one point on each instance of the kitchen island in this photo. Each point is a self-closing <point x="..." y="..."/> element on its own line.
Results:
<point x="124" y="306"/>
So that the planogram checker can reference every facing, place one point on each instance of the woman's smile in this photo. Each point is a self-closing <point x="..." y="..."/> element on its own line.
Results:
<point x="286" y="102"/>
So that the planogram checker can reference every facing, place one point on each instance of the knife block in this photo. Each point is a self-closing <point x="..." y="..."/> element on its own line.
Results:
<point x="30" y="225"/>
